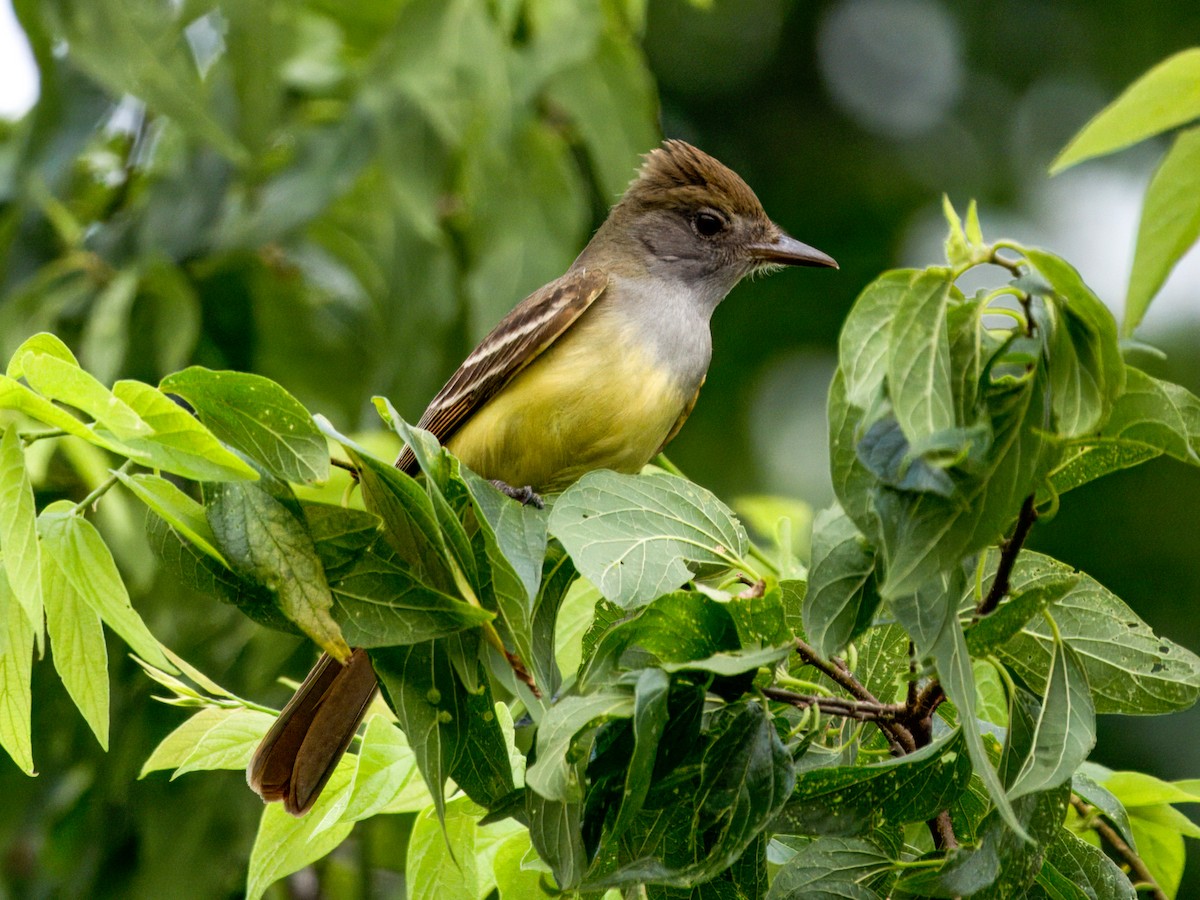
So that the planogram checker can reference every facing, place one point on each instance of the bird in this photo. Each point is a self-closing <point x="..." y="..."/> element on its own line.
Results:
<point x="598" y="369"/>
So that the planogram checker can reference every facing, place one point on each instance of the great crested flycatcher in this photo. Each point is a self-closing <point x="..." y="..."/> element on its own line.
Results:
<point x="598" y="369"/>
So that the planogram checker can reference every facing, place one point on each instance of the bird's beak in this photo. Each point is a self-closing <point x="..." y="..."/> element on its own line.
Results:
<point x="787" y="251"/>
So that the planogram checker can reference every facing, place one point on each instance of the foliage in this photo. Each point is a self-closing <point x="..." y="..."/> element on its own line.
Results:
<point x="912" y="717"/>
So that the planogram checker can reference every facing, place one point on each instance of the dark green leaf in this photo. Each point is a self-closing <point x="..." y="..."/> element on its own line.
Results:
<point x="554" y="774"/>
<point x="830" y="868"/>
<point x="848" y="800"/>
<point x="1088" y="868"/>
<point x="863" y="343"/>
<point x="1105" y="801"/>
<point x="266" y="543"/>
<point x="649" y="719"/>
<point x="1036" y="583"/>
<point x="841" y="599"/>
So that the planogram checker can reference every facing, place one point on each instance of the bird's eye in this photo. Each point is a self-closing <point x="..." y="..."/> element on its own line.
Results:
<point x="708" y="224"/>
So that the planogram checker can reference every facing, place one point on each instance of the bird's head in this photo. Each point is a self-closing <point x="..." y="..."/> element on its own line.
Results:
<point x="695" y="219"/>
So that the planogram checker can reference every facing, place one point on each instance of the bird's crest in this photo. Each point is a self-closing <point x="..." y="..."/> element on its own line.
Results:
<point x="678" y="173"/>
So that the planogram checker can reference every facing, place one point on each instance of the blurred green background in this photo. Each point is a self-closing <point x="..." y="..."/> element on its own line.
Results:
<point x="345" y="196"/>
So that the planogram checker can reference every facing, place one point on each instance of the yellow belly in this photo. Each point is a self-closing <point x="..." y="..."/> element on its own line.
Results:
<point x="590" y="401"/>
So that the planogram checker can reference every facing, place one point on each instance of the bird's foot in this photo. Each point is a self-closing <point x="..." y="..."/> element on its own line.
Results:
<point x="523" y="495"/>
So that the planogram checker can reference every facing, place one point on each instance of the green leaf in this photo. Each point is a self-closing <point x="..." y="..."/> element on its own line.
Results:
<point x="410" y="524"/>
<point x="633" y="536"/>
<point x="1165" y="97"/>
<point x="1142" y="789"/>
<point x="1160" y="832"/>
<point x="176" y="508"/>
<point x="918" y="356"/>
<point x="924" y="534"/>
<point x="1035" y="584"/>
<point x="649" y="719"/>
<point x="378" y="603"/>
<point x="1065" y="731"/>
<point x="286" y="844"/>
<point x="421" y="689"/>
<point x="848" y="800"/>
<point x="1150" y="417"/>
<point x="683" y="627"/>
<point x="702" y="817"/>
<point x="179" y="444"/>
<point x="558" y="577"/>
<point x="1002" y="864"/>
<point x="82" y="559"/>
<point x="830" y="868"/>
<point x="514" y="880"/>
<point x="18" y="533"/>
<point x="514" y="539"/>
<point x="554" y="830"/>
<point x="258" y="417"/>
<point x="16" y="396"/>
<point x="441" y="854"/>
<point x="1129" y="669"/>
<point x="554" y="775"/>
<point x="1087" y="372"/>
<point x="1088" y="868"/>
<point x="214" y="738"/>
<point x="267" y="544"/>
<point x="387" y="778"/>
<point x="16" y="670"/>
<point x="932" y="621"/>
<point x="60" y="380"/>
<point x="41" y="343"/>
<point x="1105" y="801"/>
<point x="77" y="645"/>
<point x="1170" y="224"/>
<point x="841" y="599"/>
<point x="863" y="343"/>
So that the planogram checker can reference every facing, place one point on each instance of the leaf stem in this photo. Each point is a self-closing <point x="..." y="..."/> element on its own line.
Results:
<point x="1009" y="550"/>
<point x="102" y="488"/>
<point x="1109" y="835"/>
<point x="30" y="437"/>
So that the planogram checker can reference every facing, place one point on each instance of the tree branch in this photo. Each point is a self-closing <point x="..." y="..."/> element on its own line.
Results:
<point x="861" y="710"/>
<point x="1136" y="864"/>
<point x="1009" y="550"/>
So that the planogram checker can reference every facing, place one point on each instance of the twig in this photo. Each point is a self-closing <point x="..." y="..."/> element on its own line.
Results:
<point x="898" y="735"/>
<point x="1136" y="864"/>
<point x="342" y="464"/>
<point x="861" y="710"/>
<point x="1009" y="550"/>
<point x="942" y="829"/>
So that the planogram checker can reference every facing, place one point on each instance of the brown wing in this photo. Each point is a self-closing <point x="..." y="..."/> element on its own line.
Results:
<point x="533" y="325"/>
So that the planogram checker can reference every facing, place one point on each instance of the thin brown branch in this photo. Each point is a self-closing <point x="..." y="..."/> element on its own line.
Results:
<point x="898" y="735"/>
<point x="861" y="710"/>
<point x="1109" y="835"/>
<point x="1009" y="550"/>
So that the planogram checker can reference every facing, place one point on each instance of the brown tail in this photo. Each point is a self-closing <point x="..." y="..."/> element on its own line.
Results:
<point x="303" y="747"/>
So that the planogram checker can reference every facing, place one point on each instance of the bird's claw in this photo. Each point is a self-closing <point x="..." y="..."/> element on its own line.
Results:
<point x="526" y="495"/>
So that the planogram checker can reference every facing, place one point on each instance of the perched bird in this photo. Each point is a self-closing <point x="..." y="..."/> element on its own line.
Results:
<point x="598" y="369"/>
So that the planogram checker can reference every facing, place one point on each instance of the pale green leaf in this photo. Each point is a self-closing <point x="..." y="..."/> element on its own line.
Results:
<point x="84" y="561"/>
<point x="286" y="844"/>
<point x="1165" y="97"/>
<point x="18" y="532"/>
<point x="58" y="380"/>
<point x="16" y="669"/>
<point x="214" y="738"/>
<point x="176" y="508"/>
<point x="1170" y="224"/>
<point x="16" y="396"/>
<point x="1065" y="730"/>
<point x="441" y="856"/>
<point x="77" y="646"/>
<point x="553" y="776"/>
<point x="863" y="344"/>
